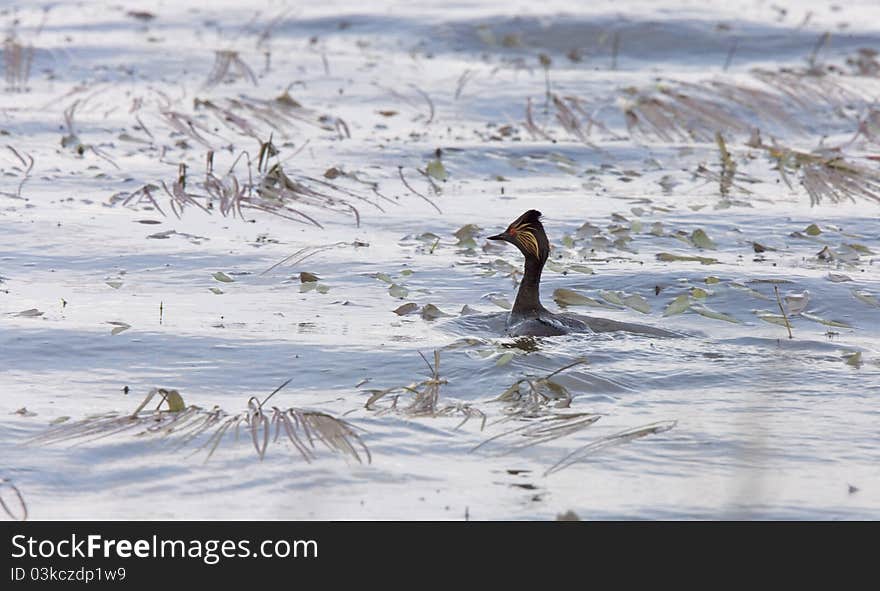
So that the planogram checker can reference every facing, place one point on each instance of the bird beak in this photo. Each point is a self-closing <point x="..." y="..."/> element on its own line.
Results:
<point x="502" y="236"/>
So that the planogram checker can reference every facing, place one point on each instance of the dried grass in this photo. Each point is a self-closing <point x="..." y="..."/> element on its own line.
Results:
<point x="274" y="191"/>
<point x="825" y="173"/>
<point x="424" y="399"/>
<point x="12" y="501"/>
<point x="205" y="430"/>
<point x="228" y="65"/>
<point x="17" y="61"/>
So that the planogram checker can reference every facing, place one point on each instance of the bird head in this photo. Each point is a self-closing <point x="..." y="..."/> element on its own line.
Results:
<point x="527" y="233"/>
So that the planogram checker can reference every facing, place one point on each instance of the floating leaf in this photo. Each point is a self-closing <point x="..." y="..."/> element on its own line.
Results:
<point x="504" y="359"/>
<point x="853" y="359"/>
<point x="710" y="313"/>
<point x="749" y="290"/>
<point x="797" y="302"/>
<point x="702" y="240"/>
<point x="699" y="293"/>
<point x="812" y="230"/>
<point x="221" y="276"/>
<point x="581" y="269"/>
<point x="398" y="291"/>
<point x="859" y="248"/>
<point x="307" y="287"/>
<point x="637" y="303"/>
<point x="437" y="170"/>
<point x="31" y="313"/>
<point x="118" y="327"/>
<point x="678" y="305"/>
<point x="838" y="277"/>
<point x="773" y="318"/>
<point x="711" y="279"/>
<point x="306" y="277"/>
<point x="568" y="297"/>
<point x="406" y="272"/>
<point x="825" y="321"/>
<point x="114" y="284"/>
<point x="667" y="257"/>
<point x="322" y="288"/>
<point x="866" y="297"/>
<point x="501" y="302"/>
<point x="612" y="297"/>
<point x="384" y="277"/>
<point x="432" y="312"/>
<point x="216" y="290"/>
<point x="405" y="309"/>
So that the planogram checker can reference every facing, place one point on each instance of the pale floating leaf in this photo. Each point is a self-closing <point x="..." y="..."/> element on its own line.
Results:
<point x="398" y="291"/>
<point x="838" y="277"/>
<point x="307" y="287"/>
<point x="118" y="327"/>
<point x="428" y="237"/>
<point x="384" y="277"/>
<point x="406" y="272"/>
<point x="714" y="314"/>
<point x="31" y="313"/>
<point x="501" y="302"/>
<point x="866" y="297"/>
<point x="678" y="305"/>
<point x="711" y="279"/>
<point x="702" y="240"/>
<point x="569" y="297"/>
<point x="797" y="302"/>
<point x="612" y="297"/>
<point x="773" y="318"/>
<point x="114" y="284"/>
<point x="322" y="288"/>
<point x="437" y="170"/>
<point x="859" y="248"/>
<point x="221" y="276"/>
<point x="581" y="269"/>
<point x="746" y="289"/>
<point x="504" y="359"/>
<point x="432" y="312"/>
<point x="853" y="359"/>
<point x="638" y="303"/>
<point x="216" y="290"/>
<point x="405" y="309"/>
<point x="825" y="321"/>
<point x="667" y="257"/>
<point x="553" y="266"/>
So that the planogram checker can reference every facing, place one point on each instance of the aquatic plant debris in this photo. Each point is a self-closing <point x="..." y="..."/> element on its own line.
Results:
<point x="180" y="426"/>
<point x="425" y="399"/>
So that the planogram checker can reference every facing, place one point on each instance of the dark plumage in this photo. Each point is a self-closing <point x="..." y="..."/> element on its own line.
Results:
<point x="528" y="317"/>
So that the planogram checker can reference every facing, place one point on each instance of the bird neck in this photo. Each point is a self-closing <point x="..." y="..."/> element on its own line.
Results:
<point x="528" y="298"/>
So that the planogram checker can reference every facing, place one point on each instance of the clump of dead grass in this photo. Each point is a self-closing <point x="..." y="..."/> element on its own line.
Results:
<point x="205" y="430"/>
<point x="422" y="399"/>
<point x="273" y="190"/>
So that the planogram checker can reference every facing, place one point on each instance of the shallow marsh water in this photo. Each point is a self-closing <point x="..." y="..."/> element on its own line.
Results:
<point x="764" y="426"/>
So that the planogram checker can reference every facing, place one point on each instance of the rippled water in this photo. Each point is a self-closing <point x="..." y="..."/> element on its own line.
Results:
<point x="764" y="426"/>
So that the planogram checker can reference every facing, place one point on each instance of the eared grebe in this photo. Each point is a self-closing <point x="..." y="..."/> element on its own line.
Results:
<point x="528" y="317"/>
